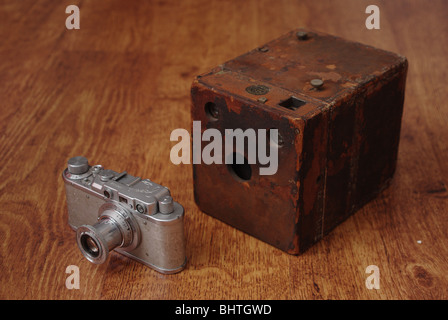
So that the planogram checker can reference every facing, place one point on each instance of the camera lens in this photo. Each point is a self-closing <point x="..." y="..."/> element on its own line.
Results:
<point x="95" y="242"/>
<point x="115" y="228"/>
<point x="90" y="246"/>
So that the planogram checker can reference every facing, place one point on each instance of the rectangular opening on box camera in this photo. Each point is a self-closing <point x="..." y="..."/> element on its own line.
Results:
<point x="292" y="103"/>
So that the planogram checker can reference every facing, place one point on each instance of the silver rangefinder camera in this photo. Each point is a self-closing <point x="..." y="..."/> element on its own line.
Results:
<point x="136" y="217"/>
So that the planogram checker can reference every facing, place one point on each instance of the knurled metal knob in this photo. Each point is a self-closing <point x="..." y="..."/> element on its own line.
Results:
<point x="78" y="165"/>
<point x="166" y="205"/>
<point x="106" y="175"/>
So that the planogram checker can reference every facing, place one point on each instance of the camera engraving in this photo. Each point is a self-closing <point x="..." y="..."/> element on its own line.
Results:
<point x="116" y="211"/>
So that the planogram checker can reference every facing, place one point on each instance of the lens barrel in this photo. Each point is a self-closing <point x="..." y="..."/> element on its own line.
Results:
<point x="115" y="228"/>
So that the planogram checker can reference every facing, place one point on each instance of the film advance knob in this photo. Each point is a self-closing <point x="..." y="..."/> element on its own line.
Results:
<point x="78" y="165"/>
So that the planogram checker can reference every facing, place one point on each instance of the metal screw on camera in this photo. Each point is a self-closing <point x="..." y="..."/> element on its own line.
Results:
<point x="262" y="99"/>
<point x="317" y="83"/>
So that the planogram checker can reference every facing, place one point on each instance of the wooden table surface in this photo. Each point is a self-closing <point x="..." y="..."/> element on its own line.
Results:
<point x="115" y="89"/>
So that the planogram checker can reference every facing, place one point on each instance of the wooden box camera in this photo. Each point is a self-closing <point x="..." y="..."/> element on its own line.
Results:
<point x="337" y="106"/>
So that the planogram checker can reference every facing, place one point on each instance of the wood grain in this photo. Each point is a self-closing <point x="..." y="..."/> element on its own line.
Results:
<point x="115" y="89"/>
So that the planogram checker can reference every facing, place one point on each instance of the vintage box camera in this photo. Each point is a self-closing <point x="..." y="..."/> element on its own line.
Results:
<point x="337" y="106"/>
<point x="136" y="217"/>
